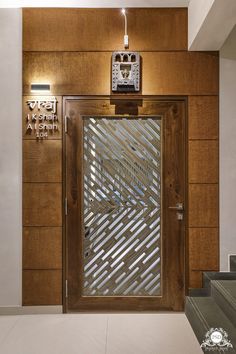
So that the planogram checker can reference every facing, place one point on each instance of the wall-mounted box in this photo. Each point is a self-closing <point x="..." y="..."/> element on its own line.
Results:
<point x="125" y="72"/>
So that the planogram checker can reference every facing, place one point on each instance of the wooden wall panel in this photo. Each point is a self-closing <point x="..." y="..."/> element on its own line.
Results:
<point x="203" y="205"/>
<point x="203" y="117"/>
<point x="42" y="287"/>
<point x="42" y="207"/>
<point x="185" y="73"/>
<point x="42" y="204"/>
<point x="42" y="161"/>
<point x="203" y="190"/>
<point x="195" y="279"/>
<point x="42" y="248"/>
<point x="76" y="59"/>
<point x="204" y="249"/>
<point x="88" y="73"/>
<point x="103" y="29"/>
<point x="203" y="161"/>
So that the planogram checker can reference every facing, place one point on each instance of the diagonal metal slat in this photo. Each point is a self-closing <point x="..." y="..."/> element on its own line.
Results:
<point x="122" y="201"/>
<point x="121" y="181"/>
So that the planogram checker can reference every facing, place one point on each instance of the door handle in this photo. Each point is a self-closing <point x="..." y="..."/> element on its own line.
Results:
<point x="179" y="206"/>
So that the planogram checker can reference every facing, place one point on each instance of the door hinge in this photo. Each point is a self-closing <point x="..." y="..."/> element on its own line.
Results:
<point x="66" y="127"/>
<point x="66" y="206"/>
<point x="66" y="289"/>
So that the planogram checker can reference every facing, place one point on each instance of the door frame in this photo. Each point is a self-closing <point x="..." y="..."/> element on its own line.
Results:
<point x="114" y="98"/>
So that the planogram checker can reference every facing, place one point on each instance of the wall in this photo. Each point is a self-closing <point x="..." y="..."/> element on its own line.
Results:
<point x="227" y="149"/>
<point x="10" y="157"/>
<point x="205" y="19"/>
<point x="197" y="13"/>
<point x="76" y="60"/>
<point x="42" y="209"/>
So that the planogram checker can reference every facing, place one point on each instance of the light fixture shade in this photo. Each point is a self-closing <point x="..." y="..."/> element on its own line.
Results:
<point x="40" y="87"/>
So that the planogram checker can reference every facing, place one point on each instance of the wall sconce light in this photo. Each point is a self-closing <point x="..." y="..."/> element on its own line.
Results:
<point x="126" y="37"/>
<point x="40" y="87"/>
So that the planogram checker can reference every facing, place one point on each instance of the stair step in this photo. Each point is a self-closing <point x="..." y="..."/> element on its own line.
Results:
<point x="232" y="262"/>
<point x="224" y="294"/>
<point x="208" y="276"/>
<point x="199" y="292"/>
<point x="203" y="314"/>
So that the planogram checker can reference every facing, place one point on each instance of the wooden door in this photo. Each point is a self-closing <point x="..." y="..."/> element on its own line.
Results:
<point x="125" y="178"/>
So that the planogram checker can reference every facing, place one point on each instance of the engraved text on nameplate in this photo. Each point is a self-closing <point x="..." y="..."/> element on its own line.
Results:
<point x="41" y="118"/>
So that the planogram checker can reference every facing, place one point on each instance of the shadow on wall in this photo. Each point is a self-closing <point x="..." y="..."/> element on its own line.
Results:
<point x="228" y="50"/>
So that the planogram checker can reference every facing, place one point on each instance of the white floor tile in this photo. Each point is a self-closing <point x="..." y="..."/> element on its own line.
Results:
<point x="151" y="334"/>
<point x="87" y="334"/>
<point x="57" y="334"/>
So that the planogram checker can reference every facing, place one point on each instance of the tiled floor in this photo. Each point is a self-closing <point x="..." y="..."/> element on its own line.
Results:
<point x="97" y="334"/>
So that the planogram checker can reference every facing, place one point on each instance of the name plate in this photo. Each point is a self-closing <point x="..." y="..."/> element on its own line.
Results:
<point x="42" y="118"/>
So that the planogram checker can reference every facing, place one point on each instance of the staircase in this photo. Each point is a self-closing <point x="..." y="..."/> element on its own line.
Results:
<point x="214" y="306"/>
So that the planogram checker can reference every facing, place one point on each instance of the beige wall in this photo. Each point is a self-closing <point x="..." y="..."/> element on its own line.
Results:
<point x="228" y="150"/>
<point x="10" y="157"/>
<point x="210" y="23"/>
<point x="197" y="12"/>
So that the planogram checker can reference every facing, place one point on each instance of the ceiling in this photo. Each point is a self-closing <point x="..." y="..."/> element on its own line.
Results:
<point x="94" y="3"/>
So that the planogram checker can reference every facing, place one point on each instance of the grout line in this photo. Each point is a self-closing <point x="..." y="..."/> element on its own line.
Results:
<point x="59" y="227"/>
<point x="203" y="139"/>
<point x="204" y="227"/>
<point x="107" y="51"/>
<point x="205" y="183"/>
<point x="42" y="182"/>
<point x="30" y="269"/>
<point x="106" y="334"/>
<point x="10" y="330"/>
<point x="48" y="226"/>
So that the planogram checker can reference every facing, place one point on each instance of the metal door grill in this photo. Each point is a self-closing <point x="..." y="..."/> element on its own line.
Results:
<point x="122" y="206"/>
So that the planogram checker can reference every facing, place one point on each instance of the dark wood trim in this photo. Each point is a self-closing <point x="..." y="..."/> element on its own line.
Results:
<point x="64" y="240"/>
<point x="186" y="249"/>
<point x="134" y="303"/>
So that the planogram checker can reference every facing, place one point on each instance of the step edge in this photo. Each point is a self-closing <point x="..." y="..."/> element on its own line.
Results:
<point x="198" y="312"/>
<point x="208" y="274"/>
<point x="226" y="295"/>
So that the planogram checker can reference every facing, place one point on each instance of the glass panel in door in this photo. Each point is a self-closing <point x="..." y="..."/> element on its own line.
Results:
<point x="122" y="177"/>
